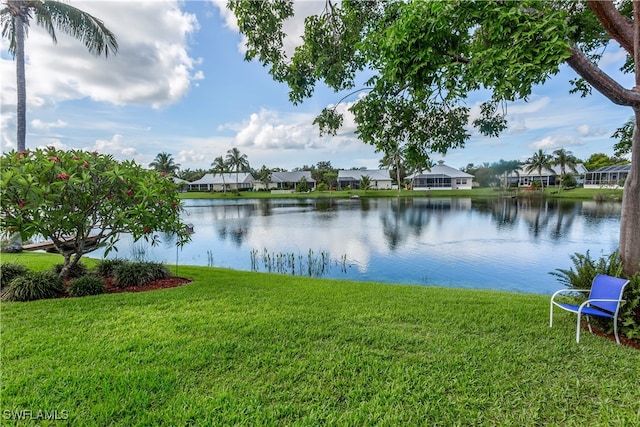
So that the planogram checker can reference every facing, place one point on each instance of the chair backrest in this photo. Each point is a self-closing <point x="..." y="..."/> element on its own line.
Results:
<point x="607" y="287"/>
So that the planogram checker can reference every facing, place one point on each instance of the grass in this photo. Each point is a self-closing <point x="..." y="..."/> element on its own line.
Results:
<point x="258" y="349"/>
<point x="575" y="193"/>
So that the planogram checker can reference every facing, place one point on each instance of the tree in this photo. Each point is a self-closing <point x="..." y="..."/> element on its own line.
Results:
<point x="365" y="183"/>
<point x="393" y="160"/>
<point x="505" y="168"/>
<point x="565" y="159"/>
<point x="263" y="175"/>
<point x="81" y="200"/>
<point x="237" y="161"/>
<point x="51" y="15"/>
<point x="220" y="167"/>
<point x="164" y="163"/>
<point x="539" y="161"/>
<point x="426" y="57"/>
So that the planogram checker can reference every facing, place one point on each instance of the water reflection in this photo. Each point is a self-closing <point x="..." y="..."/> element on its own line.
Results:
<point x="508" y="244"/>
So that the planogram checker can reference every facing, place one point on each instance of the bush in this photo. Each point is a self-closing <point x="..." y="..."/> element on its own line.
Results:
<point x="582" y="277"/>
<point x="33" y="286"/>
<point x="86" y="285"/>
<point x="322" y="187"/>
<point x="107" y="267"/>
<point x="139" y="273"/>
<point x="9" y="271"/>
<point x="78" y="270"/>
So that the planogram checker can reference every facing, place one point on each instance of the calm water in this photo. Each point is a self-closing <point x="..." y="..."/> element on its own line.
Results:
<point x="503" y="244"/>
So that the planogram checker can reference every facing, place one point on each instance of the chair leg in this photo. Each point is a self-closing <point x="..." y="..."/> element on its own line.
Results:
<point x="589" y="323"/>
<point x="551" y="315"/>
<point x="615" y="329"/>
<point x="578" y="330"/>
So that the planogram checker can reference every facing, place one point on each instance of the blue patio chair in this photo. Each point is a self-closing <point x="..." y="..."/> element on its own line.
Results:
<point x="605" y="298"/>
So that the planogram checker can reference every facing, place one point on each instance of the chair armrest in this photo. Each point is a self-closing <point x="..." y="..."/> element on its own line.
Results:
<point x="561" y="291"/>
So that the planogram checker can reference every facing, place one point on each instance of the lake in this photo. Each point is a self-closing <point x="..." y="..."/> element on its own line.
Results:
<point x="504" y="244"/>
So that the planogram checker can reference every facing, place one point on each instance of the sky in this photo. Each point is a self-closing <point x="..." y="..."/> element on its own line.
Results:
<point x="179" y="84"/>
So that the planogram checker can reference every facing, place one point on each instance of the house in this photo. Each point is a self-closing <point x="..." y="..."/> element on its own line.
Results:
<point x="607" y="176"/>
<point x="289" y="180"/>
<point x="379" y="179"/>
<point x="183" y="185"/>
<point x="521" y="178"/>
<point x="217" y="182"/>
<point x="441" y="177"/>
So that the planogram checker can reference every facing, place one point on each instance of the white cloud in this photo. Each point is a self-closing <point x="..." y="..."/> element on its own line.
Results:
<point x="152" y="66"/>
<point x="554" y="142"/>
<point x="39" y="124"/>
<point x="117" y="146"/>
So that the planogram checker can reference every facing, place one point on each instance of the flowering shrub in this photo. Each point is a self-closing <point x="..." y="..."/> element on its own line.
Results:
<point x="80" y="200"/>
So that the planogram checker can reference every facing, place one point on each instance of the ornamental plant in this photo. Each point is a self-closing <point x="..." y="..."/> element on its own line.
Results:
<point x="81" y="200"/>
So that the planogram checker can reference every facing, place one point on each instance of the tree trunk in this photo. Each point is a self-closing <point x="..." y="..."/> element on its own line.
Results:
<point x="20" y="85"/>
<point x="630" y="217"/>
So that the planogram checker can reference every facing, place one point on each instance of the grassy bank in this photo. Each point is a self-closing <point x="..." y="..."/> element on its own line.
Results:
<point x="258" y="349"/>
<point x="576" y="193"/>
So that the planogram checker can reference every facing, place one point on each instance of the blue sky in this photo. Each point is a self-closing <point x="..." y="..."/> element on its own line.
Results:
<point x="180" y="84"/>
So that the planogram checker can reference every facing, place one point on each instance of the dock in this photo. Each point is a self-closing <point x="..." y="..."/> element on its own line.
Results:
<point x="48" y="245"/>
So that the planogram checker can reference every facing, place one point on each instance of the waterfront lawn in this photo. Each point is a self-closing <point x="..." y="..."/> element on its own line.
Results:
<point x="553" y="192"/>
<point x="259" y="349"/>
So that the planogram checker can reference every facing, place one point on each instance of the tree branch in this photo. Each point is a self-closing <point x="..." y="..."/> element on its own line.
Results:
<point x="618" y="26"/>
<point x="601" y="81"/>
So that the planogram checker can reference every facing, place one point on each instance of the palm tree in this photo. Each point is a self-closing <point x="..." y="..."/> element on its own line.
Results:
<point x="393" y="158"/>
<point x="164" y="163"/>
<point x="51" y="15"/>
<point x="219" y="167"/>
<point x="365" y="183"/>
<point x="564" y="159"/>
<point x="237" y="161"/>
<point x="538" y="162"/>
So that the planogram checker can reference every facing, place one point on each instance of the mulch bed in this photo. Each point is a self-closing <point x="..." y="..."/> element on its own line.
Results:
<point x="623" y="340"/>
<point x="171" y="282"/>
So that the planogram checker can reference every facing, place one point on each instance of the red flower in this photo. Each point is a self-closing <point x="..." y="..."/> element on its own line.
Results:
<point x="147" y="230"/>
<point x="85" y="165"/>
<point x="130" y="192"/>
<point x="174" y="204"/>
<point x="54" y="159"/>
<point x="76" y="158"/>
<point x="160" y="202"/>
<point x="109" y="196"/>
<point x="63" y="176"/>
<point x="163" y="173"/>
<point x="21" y="204"/>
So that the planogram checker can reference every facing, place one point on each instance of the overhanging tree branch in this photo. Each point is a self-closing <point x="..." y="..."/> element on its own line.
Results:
<point x="600" y="80"/>
<point x="619" y="27"/>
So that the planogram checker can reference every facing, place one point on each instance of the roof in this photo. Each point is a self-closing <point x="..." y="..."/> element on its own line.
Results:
<point x="442" y="169"/>
<point x="294" y="176"/>
<point x="615" y="168"/>
<point x="555" y="168"/>
<point x="357" y="174"/>
<point x="228" y="178"/>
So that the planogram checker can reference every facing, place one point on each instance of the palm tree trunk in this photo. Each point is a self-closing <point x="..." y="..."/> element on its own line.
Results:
<point x="21" y="85"/>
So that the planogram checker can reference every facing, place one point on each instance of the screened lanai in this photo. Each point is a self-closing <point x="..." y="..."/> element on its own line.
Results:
<point x="607" y="176"/>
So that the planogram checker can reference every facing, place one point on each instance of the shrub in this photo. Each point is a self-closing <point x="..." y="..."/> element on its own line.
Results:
<point x="9" y="271"/>
<point x="322" y="187"/>
<point x="86" y="285"/>
<point x="78" y="270"/>
<point x="33" y="286"/>
<point x="139" y="273"/>
<point x="107" y="267"/>
<point x="582" y="277"/>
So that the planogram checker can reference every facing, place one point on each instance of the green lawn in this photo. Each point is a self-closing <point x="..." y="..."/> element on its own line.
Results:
<point x="575" y="193"/>
<point x="259" y="349"/>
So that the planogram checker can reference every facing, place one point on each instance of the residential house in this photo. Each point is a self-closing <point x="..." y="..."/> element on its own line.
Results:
<point x="379" y="178"/>
<point x="607" y="176"/>
<point x="217" y="182"/>
<point x="287" y="181"/>
<point x="521" y="178"/>
<point x="441" y="177"/>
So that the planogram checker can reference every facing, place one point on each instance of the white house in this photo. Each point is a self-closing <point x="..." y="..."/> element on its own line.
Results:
<point x="379" y="179"/>
<point x="216" y="182"/>
<point x="290" y="180"/>
<point x="441" y="177"/>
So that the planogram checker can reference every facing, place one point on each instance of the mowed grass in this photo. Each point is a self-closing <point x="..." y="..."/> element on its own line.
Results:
<point x="240" y="348"/>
